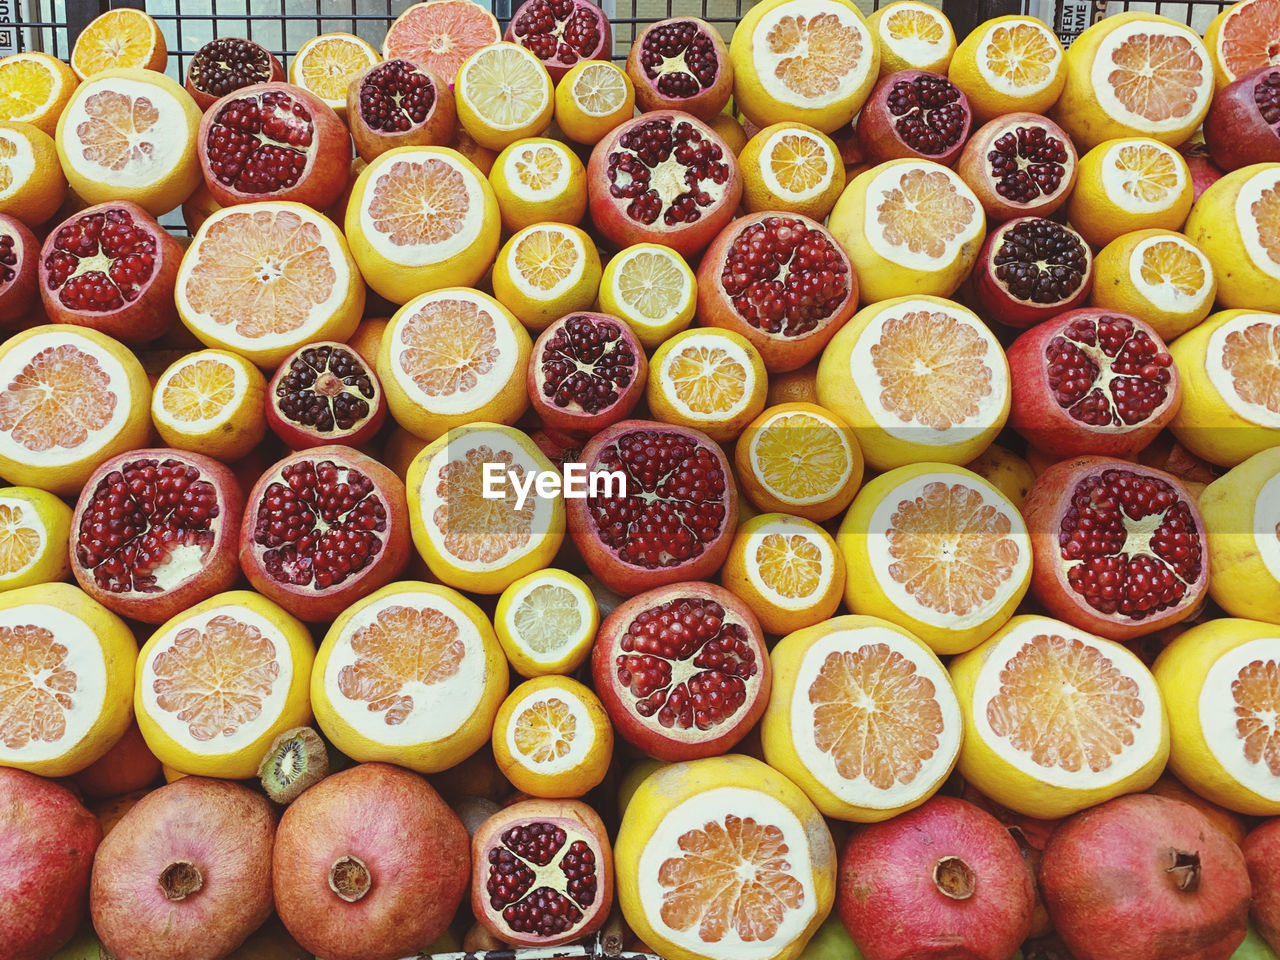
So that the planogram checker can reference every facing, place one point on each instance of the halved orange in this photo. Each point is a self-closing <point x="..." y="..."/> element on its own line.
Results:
<point x="411" y="674"/>
<point x="213" y="402"/>
<point x="793" y="168"/>
<point x="452" y="357"/>
<point x="440" y="34"/>
<point x="35" y="527"/>
<point x="913" y="36"/>
<point x="546" y="271"/>
<point x="32" y="186"/>
<point x="938" y="550"/>
<point x="539" y="180"/>
<point x="1057" y="720"/>
<point x="1127" y="184"/>
<point x="1009" y="64"/>
<point x="1158" y="275"/>
<point x="325" y="65"/>
<point x="593" y="98"/>
<point x="121" y="38"/>
<point x="1243" y="37"/>
<point x="651" y="287"/>
<point x="261" y="279"/>
<point x="552" y="738"/>
<point x="862" y="717"/>
<point x="710" y="379"/>
<point x="786" y="569"/>
<point x="34" y="89"/>
<point x="66" y="679"/>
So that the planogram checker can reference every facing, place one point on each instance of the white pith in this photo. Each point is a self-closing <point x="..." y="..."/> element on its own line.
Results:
<point x="1114" y="180"/>
<point x="15" y="357"/>
<point x="1266" y="524"/>
<point x="582" y="600"/>
<point x="439" y="709"/>
<point x="1147" y="736"/>
<point x="771" y="179"/>
<point x="555" y="189"/>
<point x="889" y="180"/>
<point x="667" y="178"/>
<point x="1001" y="84"/>
<point x="836" y="436"/>
<point x="21" y="165"/>
<point x="766" y="61"/>
<point x="1222" y="379"/>
<point x="880" y="559"/>
<point x="861" y="792"/>
<point x="1104" y="64"/>
<point x="84" y="657"/>
<point x="239" y="380"/>
<point x="786" y="527"/>
<point x="1167" y="296"/>
<point x="1267" y="180"/>
<point x="272" y="705"/>
<point x="571" y="279"/>
<point x="27" y="518"/>
<point x="710" y="342"/>
<point x="1216" y="711"/>
<point x="584" y="732"/>
<point x="168" y="136"/>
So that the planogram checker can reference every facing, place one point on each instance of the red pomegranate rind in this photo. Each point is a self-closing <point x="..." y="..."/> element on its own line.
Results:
<point x="111" y="267"/>
<point x="780" y="280"/>
<point x="676" y="519"/>
<point x="587" y="370"/>
<point x="1117" y="549"/>
<point x="1092" y="382"/>
<point x="681" y="64"/>
<point x="325" y="393"/>
<point x="398" y="103"/>
<point x="682" y="671"/>
<point x="227" y="64"/>
<point x="1031" y="269"/>
<point x="561" y="33"/>
<point x="663" y="177"/>
<point x="1243" y="123"/>
<point x="154" y="532"/>
<point x="542" y="873"/>
<point x="19" y="259"/>
<point x="274" y="141"/>
<point x="1021" y="164"/>
<point x="323" y="528"/>
<point x="914" y="114"/>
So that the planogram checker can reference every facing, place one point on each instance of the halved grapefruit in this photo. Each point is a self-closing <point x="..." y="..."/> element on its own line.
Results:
<point x="1243" y="37"/>
<point x="440" y="34"/>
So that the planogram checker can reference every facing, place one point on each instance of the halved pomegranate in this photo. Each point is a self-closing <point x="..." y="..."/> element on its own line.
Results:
<point x="154" y="532"/>
<point x="398" y="103"/>
<point x="1092" y="382"/>
<point x="682" y="670"/>
<point x="681" y="64"/>
<point x="587" y="371"/>
<point x="1031" y="269"/>
<point x="324" y="393"/>
<point x="274" y="141"/>
<point x="542" y="873"/>
<point x="323" y="528"/>
<point x="558" y="447"/>
<point x="663" y="177"/>
<point x="674" y="520"/>
<point x="561" y="32"/>
<point x="1118" y="549"/>
<point x="914" y="114"/>
<point x="226" y="65"/>
<point x="780" y="280"/>
<point x="1243" y="123"/>
<point x="113" y="268"/>
<point x="1019" y="165"/>
<point x="19" y="258"/>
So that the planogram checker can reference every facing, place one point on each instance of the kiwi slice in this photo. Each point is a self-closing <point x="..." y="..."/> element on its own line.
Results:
<point x="297" y="759"/>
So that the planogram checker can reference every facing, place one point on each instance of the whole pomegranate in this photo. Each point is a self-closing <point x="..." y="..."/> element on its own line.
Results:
<point x="186" y="873"/>
<point x="1143" y="877"/>
<point x="47" y="843"/>
<point x="914" y="114"/>
<point x="681" y="64"/>
<point x="1262" y="856"/>
<point x="369" y="864"/>
<point x="944" y="881"/>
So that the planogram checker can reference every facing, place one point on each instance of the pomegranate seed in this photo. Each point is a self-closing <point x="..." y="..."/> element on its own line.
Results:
<point x="680" y="57"/>
<point x="557" y="31"/>
<point x="396" y="96"/>
<point x="1105" y="372"/>
<point x="1041" y="261"/>
<point x="664" y="168"/>
<point x="543" y="911"/>
<point x="930" y="117"/>
<point x="121" y="255"/>
<point x="1267" y="96"/>
<point x="259" y="144"/>
<point x="587" y="362"/>
<point x="325" y="388"/>
<point x="227" y="64"/>
<point x="1027" y="163"/>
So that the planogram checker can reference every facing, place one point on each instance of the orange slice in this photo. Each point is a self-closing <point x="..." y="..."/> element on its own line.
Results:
<point x="787" y="571"/>
<point x="938" y="550"/>
<point x="421" y="218"/>
<point x="220" y="681"/>
<point x="471" y="525"/>
<point x="411" y="674"/>
<point x="546" y="623"/>
<point x="504" y="94"/>
<point x="793" y="168"/>
<point x="552" y="738"/>
<point x="123" y="38"/>
<point x="1242" y="38"/>
<point x="652" y="288"/>
<point x="34" y="89"/>
<point x="1009" y="64"/>
<point x="913" y="36"/>
<point x="35" y="527"/>
<point x="261" y="279"/>
<point x="862" y="717"/>
<point x="440" y="34"/>
<point x="1057" y="720"/>
<point x="538" y="180"/>
<point x="211" y="401"/>
<point x="1156" y="274"/>
<point x="451" y="357"/>
<point x="32" y="186"/>
<point x="66" y="679"/>
<point x="326" y="65"/>
<point x="593" y="98"/>
<point x="546" y="271"/>
<point x="710" y="379"/>
<point x="917" y="378"/>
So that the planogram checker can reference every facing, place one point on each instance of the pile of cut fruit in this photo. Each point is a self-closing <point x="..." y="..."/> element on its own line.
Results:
<point x="808" y="493"/>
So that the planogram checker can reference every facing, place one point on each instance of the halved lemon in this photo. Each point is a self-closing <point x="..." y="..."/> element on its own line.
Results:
<point x="412" y="674"/>
<point x="913" y="36"/>
<point x="793" y="168"/>
<point x="545" y="271"/>
<point x="546" y="623"/>
<point x="212" y="402"/>
<point x="35" y="527"/>
<point x="121" y="38"/>
<point x="220" y="681"/>
<point x="1009" y="64"/>
<point x="786" y="569"/>
<point x="538" y="180"/>
<point x="1158" y="275"/>
<point x="32" y="186"/>
<point x="862" y="717"/>
<point x="326" y="65"/>
<point x="710" y="379"/>
<point x="938" y="550"/>
<point x="1241" y="514"/>
<point x="1134" y="183"/>
<point x="1057" y="720"/>
<point x="34" y="89"/>
<point x="552" y="738"/>
<point x="504" y="94"/>
<point x="593" y="98"/>
<point x="652" y="288"/>
<point x="1236" y="222"/>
